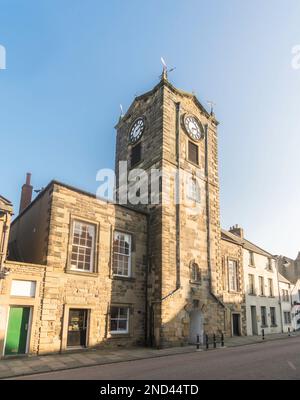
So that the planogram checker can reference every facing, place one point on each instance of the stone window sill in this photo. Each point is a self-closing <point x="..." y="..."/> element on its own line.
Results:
<point x="120" y="336"/>
<point x="198" y="283"/>
<point x="274" y="326"/>
<point x="82" y="273"/>
<point x="264" y="326"/>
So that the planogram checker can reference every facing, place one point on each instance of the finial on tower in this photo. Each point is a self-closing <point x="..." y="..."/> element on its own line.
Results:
<point x="164" y="75"/>
<point x="211" y="104"/>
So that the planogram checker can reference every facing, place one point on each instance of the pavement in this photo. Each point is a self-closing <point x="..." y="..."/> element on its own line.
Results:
<point x="272" y="360"/>
<point x="31" y="365"/>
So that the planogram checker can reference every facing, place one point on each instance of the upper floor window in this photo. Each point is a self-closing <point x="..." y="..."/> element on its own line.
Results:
<point x="195" y="273"/>
<point x="251" y="284"/>
<point x="269" y="264"/>
<point x="261" y="286"/>
<point x="122" y="254"/>
<point x="136" y="154"/>
<point x="193" y="190"/>
<point x="83" y="246"/>
<point x="285" y="295"/>
<point x="232" y="276"/>
<point x="271" y="291"/>
<point x="251" y="258"/>
<point x="193" y="153"/>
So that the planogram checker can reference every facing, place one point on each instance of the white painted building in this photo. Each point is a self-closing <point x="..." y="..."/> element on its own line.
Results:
<point x="261" y="288"/>
<point x="262" y="296"/>
<point x="285" y="290"/>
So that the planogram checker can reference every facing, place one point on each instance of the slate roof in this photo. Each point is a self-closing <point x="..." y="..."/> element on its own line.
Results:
<point x="226" y="235"/>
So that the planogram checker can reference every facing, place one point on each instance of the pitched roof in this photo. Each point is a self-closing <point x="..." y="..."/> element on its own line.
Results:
<point x="5" y="201"/>
<point x="165" y="82"/>
<point x="281" y="278"/>
<point x="226" y="235"/>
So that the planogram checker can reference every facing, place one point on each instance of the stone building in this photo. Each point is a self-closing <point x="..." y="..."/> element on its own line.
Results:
<point x="184" y="283"/>
<point x="233" y="282"/>
<point x="86" y="272"/>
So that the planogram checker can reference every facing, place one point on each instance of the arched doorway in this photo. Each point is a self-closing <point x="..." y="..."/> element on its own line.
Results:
<point x="196" y="326"/>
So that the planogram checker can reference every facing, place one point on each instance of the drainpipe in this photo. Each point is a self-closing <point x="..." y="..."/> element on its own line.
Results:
<point x="178" y="196"/>
<point x="279" y="296"/>
<point x="208" y="220"/>
<point x="146" y="279"/>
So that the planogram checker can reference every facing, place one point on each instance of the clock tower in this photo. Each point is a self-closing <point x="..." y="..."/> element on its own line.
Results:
<point x="168" y="131"/>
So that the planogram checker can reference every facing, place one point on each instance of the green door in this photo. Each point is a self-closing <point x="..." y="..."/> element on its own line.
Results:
<point x="17" y="330"/>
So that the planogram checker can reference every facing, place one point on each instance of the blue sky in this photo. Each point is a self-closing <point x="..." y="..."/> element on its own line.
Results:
<point x="70" y="63"/>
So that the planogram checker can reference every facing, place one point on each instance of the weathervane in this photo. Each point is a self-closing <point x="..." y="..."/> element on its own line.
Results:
<point x="122" y="112"/>
<point x="165" y="69"/>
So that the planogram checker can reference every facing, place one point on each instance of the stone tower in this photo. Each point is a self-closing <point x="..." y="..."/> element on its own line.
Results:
<point x="169" y="130"/>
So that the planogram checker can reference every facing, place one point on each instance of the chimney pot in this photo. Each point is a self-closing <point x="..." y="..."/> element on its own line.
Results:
<point x="237" y="230"/>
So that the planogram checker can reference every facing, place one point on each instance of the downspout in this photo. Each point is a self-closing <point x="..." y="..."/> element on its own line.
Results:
<point x="208" y="220"/>
<point x="178" y="190"/>
<point x="147" y="334"/>
<point x="279" y="296"/>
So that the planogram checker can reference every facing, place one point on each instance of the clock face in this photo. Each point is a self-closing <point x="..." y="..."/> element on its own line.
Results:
<point x="137" y="130"/>
<point x="192" y="127"/>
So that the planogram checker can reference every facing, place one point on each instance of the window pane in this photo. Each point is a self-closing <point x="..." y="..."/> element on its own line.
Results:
<point x="82" y="246"/>
<point x="193" y="153"/>
<point x="121" y="254"/>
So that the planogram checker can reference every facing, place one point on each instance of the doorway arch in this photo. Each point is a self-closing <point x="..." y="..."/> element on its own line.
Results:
<point x="196" y="326"/>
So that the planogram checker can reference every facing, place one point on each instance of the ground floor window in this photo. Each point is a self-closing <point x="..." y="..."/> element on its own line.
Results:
<point x="119" y="319"/>
<point x="263" y="316"/>
<point x="77" y="327"/>
<point x="273" y="316"/>
<point x="287" y="317"/>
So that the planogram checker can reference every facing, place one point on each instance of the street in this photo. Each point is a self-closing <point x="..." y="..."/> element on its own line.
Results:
<point x="279" y="359"/>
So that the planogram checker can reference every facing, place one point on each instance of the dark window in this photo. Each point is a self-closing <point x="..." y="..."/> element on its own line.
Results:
<point x="263" y="316"/>
<point x="136" y="154"/>
<point x="273" y="316"/>
<point x="193" y="153"/>
<point x="195" y="273"/>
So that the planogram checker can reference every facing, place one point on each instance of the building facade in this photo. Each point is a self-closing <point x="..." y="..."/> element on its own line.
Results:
<point x="159" y="271"/>
<point x="285" y="293"/>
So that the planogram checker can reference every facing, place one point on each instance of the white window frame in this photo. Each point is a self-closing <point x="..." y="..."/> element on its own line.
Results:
<point x="23" y="288"/>
<point x="123" y="331"/>
<point x="73" y="267"/>
<point x="129" y="237"/>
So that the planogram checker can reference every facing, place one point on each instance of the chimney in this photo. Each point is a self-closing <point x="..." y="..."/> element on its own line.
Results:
<point x="237" y="231"/>
<point x="26" y="193"/>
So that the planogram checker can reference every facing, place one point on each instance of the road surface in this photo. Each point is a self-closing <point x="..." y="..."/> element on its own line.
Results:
<point x="279" y="359"/>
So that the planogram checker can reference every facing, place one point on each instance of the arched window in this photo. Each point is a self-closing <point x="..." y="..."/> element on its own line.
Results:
<point x="193" y="190"/>
<point x="195" y="273"/>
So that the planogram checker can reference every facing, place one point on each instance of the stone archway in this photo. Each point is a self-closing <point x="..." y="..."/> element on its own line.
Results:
<point x="196" y="326"/>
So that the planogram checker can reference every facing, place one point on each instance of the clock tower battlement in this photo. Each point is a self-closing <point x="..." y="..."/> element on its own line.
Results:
<point x="169" y="130"/>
